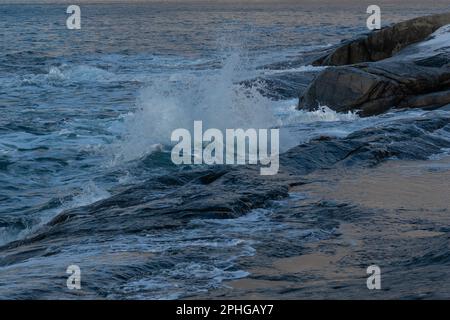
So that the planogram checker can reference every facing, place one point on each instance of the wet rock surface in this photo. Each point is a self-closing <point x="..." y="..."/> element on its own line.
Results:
<point x="418" y="76"/>
<point x="220" y="193"/>
<point x="384" y="43"/>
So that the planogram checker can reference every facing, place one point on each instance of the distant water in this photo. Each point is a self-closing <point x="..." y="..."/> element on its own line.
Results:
<point x="82" y="111"/>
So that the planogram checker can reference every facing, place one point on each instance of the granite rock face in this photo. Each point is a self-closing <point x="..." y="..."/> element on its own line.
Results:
<point x="384" y="43"/>
<point x="418" y="76"/>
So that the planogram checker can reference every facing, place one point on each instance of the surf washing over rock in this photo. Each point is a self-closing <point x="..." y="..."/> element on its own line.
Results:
<point x="86" y="176"/>
<point x="214" y="98"/>
<point x="387" y="69"/>
<point x="236" y="146"/>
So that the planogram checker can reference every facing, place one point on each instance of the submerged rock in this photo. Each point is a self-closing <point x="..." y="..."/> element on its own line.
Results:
<point x="416" y="77"/>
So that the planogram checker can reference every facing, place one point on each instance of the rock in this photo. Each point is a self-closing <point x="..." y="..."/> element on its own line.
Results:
<point x="145" y="216"/>
<point x="384" y="43"/>
<point x="445" y="108"/>
<point x="230" y="191"/>
<point x="428" y="101"/>
<point x="416" y="77"/>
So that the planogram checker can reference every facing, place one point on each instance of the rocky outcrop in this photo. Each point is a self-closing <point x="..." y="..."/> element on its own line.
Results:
<point x="147" y="216"/>
<point x="416" y="77"/>
<point x="375" y="88"/>
<point x="384" y="43"/>
<point x="428" y="101"/>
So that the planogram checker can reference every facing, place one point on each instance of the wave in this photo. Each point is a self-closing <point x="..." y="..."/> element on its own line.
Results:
<point x="18" y="228"/>
<point x="322" y="114"/>
<point x="179" y="213"/>
<point x="66" y="75"/>
<point x="215" y="97"/>
<point x="307" y="68"/>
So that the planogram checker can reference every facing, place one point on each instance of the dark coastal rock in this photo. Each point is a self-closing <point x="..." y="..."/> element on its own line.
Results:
<point x="375" y="88"/>
<point x="171" y="203"/>
<point x="384" y="43"/>
<point x="221" y="192"/>
<point x="416" y="77"/>
<point x="428" y="101"/>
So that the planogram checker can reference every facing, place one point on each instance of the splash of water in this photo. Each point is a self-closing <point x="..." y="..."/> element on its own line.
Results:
<point x="217" y="98"/>
<point x="322" y="114"/>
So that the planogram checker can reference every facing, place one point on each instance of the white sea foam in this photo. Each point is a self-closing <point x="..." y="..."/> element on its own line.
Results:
<point x="225" y="240"/>
<point x="307" y="68"/>
<point x="217" y="99"/>
<point x="437" y="43"/>
<point x="290" y="115"/>
<point x="67" y="74"/>
<point x="79" y="73"/>
<point x="89" y="194"/>
<point x="439" y="39"/>
<point x="176" y="102"/>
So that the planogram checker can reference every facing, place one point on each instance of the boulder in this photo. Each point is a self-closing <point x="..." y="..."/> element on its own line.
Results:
<point x="416" y="77"/>
<point x="384" y="43"/>
<point x="428" y="101"/>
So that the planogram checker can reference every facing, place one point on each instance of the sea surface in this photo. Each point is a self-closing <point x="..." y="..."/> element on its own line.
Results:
<point x="86" y="114"/>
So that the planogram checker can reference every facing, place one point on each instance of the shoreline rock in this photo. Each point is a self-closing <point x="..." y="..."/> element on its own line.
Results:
<point x="171" y="203"/>
<point x="418" y="76"/>
<point x="384" y="43"/>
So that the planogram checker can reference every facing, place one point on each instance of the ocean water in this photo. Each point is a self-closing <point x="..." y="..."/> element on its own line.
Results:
<point x="85" y="114"/>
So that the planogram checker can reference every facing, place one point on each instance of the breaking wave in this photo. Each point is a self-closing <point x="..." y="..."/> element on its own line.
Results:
<point x="215" y="97"/>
